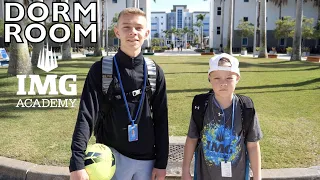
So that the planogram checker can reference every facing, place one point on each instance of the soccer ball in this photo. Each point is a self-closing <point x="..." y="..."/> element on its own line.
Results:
<point x="100" y="163"/>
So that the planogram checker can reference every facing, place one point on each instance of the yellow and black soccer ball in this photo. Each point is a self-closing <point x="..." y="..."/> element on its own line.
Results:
<point x="100" y="162"/>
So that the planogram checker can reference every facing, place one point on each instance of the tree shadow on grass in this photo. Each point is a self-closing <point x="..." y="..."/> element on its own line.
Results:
<point x="262" y="92"/>
<point x="296" y="90"/>
<point x="293" y="85"/>
<point x="261" y="65"/>
<point x="291" y="70"/>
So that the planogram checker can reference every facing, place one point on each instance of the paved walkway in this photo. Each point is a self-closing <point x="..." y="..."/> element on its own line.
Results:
<point x="15" y="169"/>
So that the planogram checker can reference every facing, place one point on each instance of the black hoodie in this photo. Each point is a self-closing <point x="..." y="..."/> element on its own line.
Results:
<point x="153" y="142"/>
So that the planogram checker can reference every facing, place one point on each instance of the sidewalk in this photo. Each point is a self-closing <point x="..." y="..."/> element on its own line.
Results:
<point x="20" y="170"/>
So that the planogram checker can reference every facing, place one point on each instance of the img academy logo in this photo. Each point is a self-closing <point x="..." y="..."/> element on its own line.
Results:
<point x="47" y="62"/>
<point x="51" y="85"/>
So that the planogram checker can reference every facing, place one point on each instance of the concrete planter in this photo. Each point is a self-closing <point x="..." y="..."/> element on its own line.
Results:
<point x="305" y="54"/>
<point x="244" y="52"/>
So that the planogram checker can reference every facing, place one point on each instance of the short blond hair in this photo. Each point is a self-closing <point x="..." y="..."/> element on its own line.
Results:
<point x="132" y="11"/>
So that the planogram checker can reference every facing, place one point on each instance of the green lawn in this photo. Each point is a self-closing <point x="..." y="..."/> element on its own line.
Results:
<point x="286" y="96"/>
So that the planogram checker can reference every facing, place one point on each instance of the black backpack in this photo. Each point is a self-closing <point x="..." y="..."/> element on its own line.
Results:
<point x="200" y="103"/>
<point x="107" y="80"/>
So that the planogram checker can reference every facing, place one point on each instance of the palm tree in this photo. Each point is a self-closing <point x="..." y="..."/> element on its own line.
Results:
<point x="173" y="32"/>
<point x="66" y="47"/>
<point x="199" y="25"/>
<point x="20" y="62"/>
<point x="263" y="30"/>
<point x="222" y="3"/>
<point x="97" y="47"/>
<point x="36" y="46"/>
<point x="200" y="18"/>
<point x="185" y="32"/>
<point x="230" y="29"/>
<point x="316" y="3"/>
<point x="192" y="33"/>
<point x="280" y="3"/>
<point x="296" y="48"/>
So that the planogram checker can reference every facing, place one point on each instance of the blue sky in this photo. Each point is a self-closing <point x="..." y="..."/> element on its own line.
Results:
<point x="192" y="5"/>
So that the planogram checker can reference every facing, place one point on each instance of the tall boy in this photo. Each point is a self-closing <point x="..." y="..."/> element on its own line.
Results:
<point x="222" y="140"/>
<point x="136" y="132"/>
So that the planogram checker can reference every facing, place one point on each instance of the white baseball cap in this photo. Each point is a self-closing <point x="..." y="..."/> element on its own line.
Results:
<point x="214" y="63"/>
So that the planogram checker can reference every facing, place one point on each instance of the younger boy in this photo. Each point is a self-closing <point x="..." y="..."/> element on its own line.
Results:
<point x="221" y="152"/>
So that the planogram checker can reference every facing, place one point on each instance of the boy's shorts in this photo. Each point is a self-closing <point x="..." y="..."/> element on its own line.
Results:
<point x="131" y="169"/>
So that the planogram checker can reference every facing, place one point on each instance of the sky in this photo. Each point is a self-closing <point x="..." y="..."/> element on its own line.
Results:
<point x="192" y="5"/>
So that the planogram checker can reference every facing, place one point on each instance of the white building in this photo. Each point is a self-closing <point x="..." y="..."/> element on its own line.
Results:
<point x="158" y="24"/>
<point x="245" y="10"/>
<point x="110" y="8"/>
<point x="178" y="18"/>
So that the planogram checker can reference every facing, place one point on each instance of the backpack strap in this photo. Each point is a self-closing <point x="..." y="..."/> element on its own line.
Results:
<point x="247" y="117"/>
<point x="199" y="106"/>
<point x="107" y="73"/>
<point x="247" y="113"/>
<point x="152" y="74"/>
<point x="107" y="78"/>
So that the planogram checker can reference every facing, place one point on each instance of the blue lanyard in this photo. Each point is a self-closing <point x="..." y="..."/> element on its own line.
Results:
<point x="224" y="121"/>
<point x="124" y="95"/>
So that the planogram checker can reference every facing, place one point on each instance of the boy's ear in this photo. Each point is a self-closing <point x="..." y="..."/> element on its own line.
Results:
<point x="238" y="79"/>
<point x="116" y="32"/>
<point x="147" y="34"/>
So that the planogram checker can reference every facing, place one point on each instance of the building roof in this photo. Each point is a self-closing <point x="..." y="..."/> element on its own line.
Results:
<point x="201" y="12"/>
<point x="158" y="12"/>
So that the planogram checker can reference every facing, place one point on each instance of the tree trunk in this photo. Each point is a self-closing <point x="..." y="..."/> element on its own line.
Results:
<point x="36" y="46"/>
<point x="318" y="12"/>
<point x="20" y="62"/>
<point x="255" y="29"/>
<point x="97" y="46"/>
<point x="230" y="28"/>
<point x="263" y="39"/>
<point x="102" y="24"/>
<point x="66" y="47"/>
<point x="222" y="21"/>
<point x="296" y="48"/>
<point x="280" y="11"/>
<point x="211" y="34"/>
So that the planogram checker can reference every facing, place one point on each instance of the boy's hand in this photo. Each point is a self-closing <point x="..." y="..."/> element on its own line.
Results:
<point x="158" y="174"/>
<point x="186" y="176"/>
<point x="79" y="175"/>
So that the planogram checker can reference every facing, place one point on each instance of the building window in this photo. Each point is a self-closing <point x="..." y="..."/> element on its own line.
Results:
<point x="219" y="11"/>
<point x="161" y="23"/>
<point x="282" y="42"/>
<point x="141" y="9"/>
<point x="161" y="16"/>
<point x="115" y="1"/>
<point x="218" y="30"/>
<point x="245" y="18"/>
<point x="179" y="25"/>
<point x="245" y="41"/>
<point x="246" y="0"/>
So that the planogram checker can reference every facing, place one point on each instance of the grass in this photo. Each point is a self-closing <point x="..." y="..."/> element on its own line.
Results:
<point x="286" y="96"/>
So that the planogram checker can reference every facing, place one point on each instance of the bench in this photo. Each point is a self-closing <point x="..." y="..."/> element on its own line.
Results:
<point x="148" y="53"/>
<point x="272" y="56"/>
<point x="313" y="58"/>
<point x="208" y="53"/>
